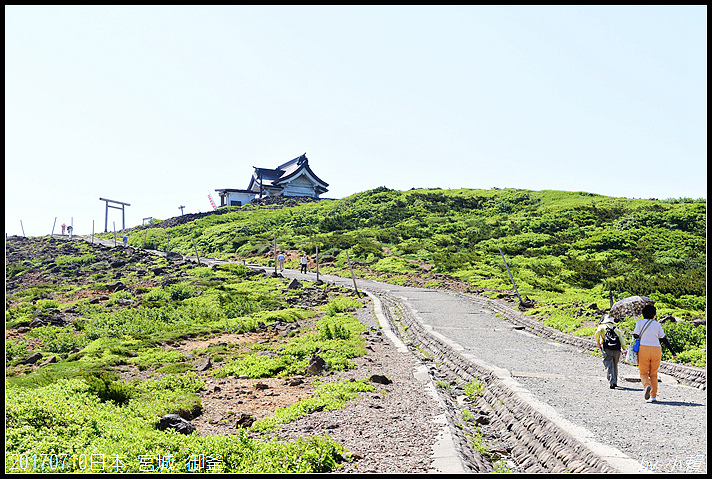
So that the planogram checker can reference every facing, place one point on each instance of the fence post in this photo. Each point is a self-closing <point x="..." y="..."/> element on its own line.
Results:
<point x="196" y="251"/>
<point x="114" y="234"/>
<point x="352" y="273"/>
<point x="317" y="261"/>
<point x="55" y="222"/>
<point x="23" y="229"/>
<point x="510" y="275"/>
<point x="275" y="253"/>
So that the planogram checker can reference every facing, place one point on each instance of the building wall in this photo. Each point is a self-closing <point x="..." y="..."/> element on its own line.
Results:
<point x="300" y="186"/>
<point x="238" y="199"/>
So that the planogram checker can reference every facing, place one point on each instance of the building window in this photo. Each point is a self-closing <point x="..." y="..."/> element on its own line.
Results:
<point x="235" y="203"/>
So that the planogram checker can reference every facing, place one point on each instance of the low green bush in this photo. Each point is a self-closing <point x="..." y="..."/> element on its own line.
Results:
<point x="327" y="397"/>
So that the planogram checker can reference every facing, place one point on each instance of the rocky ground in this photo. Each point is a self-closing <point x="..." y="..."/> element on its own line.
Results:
<point x="389" y="430"/>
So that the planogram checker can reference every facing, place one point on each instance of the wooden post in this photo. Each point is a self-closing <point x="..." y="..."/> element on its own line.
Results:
<point x="23" y="229"/>
<point x="55" y="222"/>
<point x="510" y="274"/>
<point x="610" y="294"/>
<point x="196" y="251"/>
<point x="352" y="273"/>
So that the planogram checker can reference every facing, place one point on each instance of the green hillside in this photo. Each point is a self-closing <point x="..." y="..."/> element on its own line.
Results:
<point x="563" y="248"/>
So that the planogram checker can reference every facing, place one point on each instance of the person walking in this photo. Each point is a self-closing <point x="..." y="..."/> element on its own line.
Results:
<point x="125" y="239"/>
<point x="610" y="341"/>
<point x="650" y="333"/>
<point x="303" y="262"/>
<point x="63" y="226"/>
<point x="69" y="230"/>
<point x="280" y="258"/>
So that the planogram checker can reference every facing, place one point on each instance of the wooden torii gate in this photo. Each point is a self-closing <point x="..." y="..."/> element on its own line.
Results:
<point x="106" y="215"/>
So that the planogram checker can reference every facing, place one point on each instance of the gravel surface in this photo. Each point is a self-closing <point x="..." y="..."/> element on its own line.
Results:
<point x="391" y="430"/>
<point x="663" y="436"/>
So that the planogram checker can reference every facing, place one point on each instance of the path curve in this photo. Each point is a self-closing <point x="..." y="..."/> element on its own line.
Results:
<point x="562" y="382"/>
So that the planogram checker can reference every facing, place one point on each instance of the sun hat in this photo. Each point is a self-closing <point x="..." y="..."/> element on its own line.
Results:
<point x="608" y="319"/>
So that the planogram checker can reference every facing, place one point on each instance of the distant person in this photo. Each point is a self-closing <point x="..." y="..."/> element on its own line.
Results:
<point x="125" y="239"/>
<point x="280" y="258"/>
<point x="650" y="353"/>
<point x="610" y="341"/>
<point x="69" y="230"/>
<point x="303" y="262"/>
<point x="63" y="226"/>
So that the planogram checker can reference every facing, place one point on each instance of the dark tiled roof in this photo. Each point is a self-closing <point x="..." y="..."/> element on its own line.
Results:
<point x="272" y="178"/>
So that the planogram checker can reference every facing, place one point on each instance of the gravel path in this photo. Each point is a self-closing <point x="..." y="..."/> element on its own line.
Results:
<point x="396" y="428"/>
<point x="664" y="437"/>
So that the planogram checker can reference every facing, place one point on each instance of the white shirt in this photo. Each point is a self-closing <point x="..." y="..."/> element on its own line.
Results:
<point x="304" y="260"/>
<point x="652" y="334"/>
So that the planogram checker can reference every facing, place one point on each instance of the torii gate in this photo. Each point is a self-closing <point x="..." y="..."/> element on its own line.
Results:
<point x="106" y="215"/>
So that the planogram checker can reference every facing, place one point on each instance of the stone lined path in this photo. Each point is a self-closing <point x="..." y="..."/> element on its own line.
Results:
<point x="566" y="383"/>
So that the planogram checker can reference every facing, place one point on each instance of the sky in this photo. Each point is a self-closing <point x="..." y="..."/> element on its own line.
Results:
<point x="159" y="106"/>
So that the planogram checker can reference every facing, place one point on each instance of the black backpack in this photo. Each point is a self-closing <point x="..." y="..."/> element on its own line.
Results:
<point x="611" y="340"/>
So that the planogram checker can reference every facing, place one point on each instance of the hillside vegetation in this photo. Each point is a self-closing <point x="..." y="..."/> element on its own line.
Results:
<point x="101" y="343"/>
<point x="564" y="249"/>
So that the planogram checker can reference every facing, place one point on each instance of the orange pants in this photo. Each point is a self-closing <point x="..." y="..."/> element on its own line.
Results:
<point x="649" y="358"/>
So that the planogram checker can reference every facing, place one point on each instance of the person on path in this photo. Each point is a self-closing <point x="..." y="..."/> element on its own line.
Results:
<point x="304" y="261"/>
<point x="125" y="239"/>
<point x="280" y="258"/>
<point x="63" y="226"/>
<point x="610" y="341"/>
<point x="69" y="230"/>
<point x="650" y="333"/>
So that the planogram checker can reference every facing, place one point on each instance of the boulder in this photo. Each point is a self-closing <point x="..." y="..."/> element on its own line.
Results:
<point x="49" y="360"/>
<point x="316" y="366"/>
<point x="380" y="379"/>
<point x="245" y="420"/>
<point x="174" y="421"/>
<point x="294" y="284"/>
<point x="114" y="287"/>
<point x="204" y="364"/>
<point x="33" y="358"/>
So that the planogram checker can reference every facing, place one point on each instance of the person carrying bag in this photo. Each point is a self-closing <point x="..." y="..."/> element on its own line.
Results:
<point x="632" y="353"/>
<point x="649" y="333"/>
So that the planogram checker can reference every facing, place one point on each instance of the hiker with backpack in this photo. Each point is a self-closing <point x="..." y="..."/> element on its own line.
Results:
<point x="610" y="341"/>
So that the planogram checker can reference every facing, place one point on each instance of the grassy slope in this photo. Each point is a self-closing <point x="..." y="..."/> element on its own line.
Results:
<point x="61" y="414"/>
<point x="563" y="248"/>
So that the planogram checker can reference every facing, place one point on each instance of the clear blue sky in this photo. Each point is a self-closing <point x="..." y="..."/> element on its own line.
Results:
<point x="159" y="106"/>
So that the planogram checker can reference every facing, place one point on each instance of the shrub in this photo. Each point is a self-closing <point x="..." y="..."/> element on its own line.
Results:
<point x="341" y="304"/>
<point x="107" y="388"/>
<point x="58" y="340"/>
<point x="180" y="291"/>
<point x="684" y="336"/>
